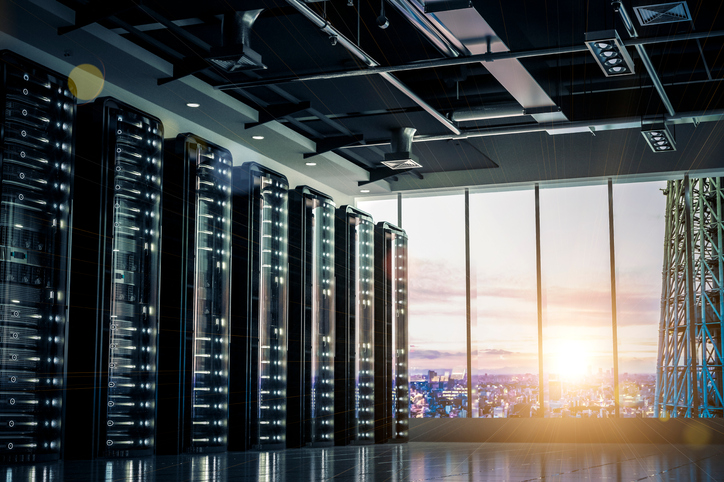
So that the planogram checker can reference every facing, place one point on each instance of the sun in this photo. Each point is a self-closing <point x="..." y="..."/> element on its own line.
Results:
<point x="569" y="358"/>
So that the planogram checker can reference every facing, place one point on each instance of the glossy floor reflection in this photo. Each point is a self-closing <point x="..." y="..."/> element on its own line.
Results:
<point x="417" y="461"/>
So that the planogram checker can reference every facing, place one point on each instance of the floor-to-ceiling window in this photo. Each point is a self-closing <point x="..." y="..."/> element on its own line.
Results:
<point x="639" y="241"/>
<point x="503" y="282"/>
<point x="577" y="320"/>
<point x="576" y="298"/>
<point x="380" y="209"/>
<point x="437" y="318"/>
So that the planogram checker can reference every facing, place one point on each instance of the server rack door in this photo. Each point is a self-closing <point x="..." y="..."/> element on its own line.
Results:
<point x="115" y="282"/>
<point x="310" y="391"/>
<point x="391" y="378"/>
<point x="37" y="131"/>
<point x="259" y="378"/>
<point x="383" y="331"/>
<point x="194" y="332"/>
<point x="354" y="370"/>
<point x="400" y="342"/>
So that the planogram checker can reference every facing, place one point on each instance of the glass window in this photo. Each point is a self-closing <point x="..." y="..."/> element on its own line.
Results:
<point x="639" y="210"/>
<point x="380" y="209"/>
<point x="576" y="297"/>
<point x="503" y="279"/>
<point x="437" y="319"/>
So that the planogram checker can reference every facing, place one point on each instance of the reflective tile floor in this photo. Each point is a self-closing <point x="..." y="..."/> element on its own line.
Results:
<point x="416" y="461"/>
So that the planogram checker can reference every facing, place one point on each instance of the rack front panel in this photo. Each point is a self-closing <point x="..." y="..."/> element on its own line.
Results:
<point x="115" y="288"/>
<point x="310" y="417"/>
<point x="194" y="336"/>
<point x="259" y="309"/>
<point x="37" y="130"/>
<point x="355" y="344"/>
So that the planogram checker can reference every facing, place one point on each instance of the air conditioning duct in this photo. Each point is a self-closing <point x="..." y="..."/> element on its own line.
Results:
<point x="235" y="54"/>
<point x="401" y="156"/>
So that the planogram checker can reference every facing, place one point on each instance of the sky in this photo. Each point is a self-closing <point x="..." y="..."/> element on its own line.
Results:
<point x="576" y="283"/>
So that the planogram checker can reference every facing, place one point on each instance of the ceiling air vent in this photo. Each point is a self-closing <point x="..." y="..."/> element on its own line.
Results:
<point x="401" y="156"/>
<point x="663" y="13"/>
<point x="401" y="163"/>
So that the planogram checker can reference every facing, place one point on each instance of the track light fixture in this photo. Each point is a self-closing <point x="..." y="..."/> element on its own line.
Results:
<point x="610" y="53"/>
<point x="659" y="136"/>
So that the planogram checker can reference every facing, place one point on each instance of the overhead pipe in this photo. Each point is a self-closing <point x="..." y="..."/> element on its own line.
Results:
<point x="563" y="127"/>
<point x="618" y="7"/>
<point x="473" y="59"/>
<point x="323" y="25"/>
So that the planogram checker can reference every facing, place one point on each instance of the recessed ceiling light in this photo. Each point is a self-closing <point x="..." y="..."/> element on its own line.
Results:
<point x="364" y="190"/>
<point x="311" y="163"/>
<point x="193" y="104"/>
<point x="258" y="138"/>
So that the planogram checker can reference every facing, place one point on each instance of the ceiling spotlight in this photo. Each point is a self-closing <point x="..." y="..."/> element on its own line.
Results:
<point x="193" y="104"/>
<point x="311" y="163"/>
<point x="364" y="190"/>
<point x="659" y="136"/>
<point x="610" y="53"/>
<point x="257" y="138"/>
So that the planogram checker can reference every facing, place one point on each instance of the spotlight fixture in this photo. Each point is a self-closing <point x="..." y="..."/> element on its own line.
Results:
<point x="193" y="104"/>
<point x="364" y="191"/>
<point x="659" y="136"/>
<point x="311" y="163"/>
<point x="610" y="53"/>
<point x="258" y="138"/>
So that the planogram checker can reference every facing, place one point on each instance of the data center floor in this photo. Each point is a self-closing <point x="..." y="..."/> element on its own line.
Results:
<point x="416" y="461"/>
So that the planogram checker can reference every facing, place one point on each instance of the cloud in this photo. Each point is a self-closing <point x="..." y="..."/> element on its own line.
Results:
<point x="491" y="351"/>
<point x="435" y="354"/>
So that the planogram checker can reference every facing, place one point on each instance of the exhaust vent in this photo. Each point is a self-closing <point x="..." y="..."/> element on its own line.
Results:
<point x="663" y="13"/>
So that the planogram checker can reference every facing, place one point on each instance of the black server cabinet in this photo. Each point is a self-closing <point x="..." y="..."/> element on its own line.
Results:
<point x="37" y="131"/>
<point x="391" y="357"/>
<point x="310" y="390"/>
<point x="193" y="403"/>
<point x="258" y="352"/>
<point x="113" y="329"/>
<point x="354" y="418"/>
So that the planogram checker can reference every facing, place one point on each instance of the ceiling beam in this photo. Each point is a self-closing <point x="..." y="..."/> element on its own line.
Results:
<point x="450" y="62"/>
<point x="273" y="112"/>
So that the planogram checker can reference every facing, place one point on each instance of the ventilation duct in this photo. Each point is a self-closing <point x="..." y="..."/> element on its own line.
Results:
<point x="401" y="156"/>
<point x="488" y="112"/>
<point x="235" y="54"/>
<point x="663" y="13"/>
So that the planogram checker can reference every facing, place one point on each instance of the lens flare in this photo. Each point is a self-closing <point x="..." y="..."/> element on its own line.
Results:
<point x="86" y="82"/>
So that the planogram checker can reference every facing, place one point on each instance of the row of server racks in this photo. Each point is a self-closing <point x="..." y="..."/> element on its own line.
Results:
<point x="281" y="320"/>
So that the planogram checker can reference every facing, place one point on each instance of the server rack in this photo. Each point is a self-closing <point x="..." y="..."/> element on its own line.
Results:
<point x="354" y="418"/>
<point x="391" y="372"/>
<point x="258" y="353"/>
<point x="194" y="331"/>
<point x="115" y="281"/>
<point x="310" y="391"/>
<point x="37" y="133"/>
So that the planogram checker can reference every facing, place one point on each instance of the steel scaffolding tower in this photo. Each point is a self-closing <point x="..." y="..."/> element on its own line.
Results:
<point x="689" y="368"/>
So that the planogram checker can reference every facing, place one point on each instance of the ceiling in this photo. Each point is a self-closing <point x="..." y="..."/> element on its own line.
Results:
<point x="562" y="118"/>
